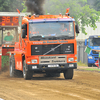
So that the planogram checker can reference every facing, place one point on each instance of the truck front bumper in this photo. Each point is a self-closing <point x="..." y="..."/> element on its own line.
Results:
<point x="54" y="67"/>
<point x="91" y="61"/>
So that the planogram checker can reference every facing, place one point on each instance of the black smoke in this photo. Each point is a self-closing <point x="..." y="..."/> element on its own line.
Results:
<point x="35" y="6"/>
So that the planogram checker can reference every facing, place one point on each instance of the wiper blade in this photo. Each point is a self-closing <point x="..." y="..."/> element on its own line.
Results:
<point x="66" y="36"/>
<point x="50" y="37"/>
<point x="36" y="36"/>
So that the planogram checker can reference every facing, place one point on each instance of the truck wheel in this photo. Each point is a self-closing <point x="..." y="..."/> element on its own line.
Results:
<point x="68" y="74"/>
<point x="13" y="72"/>
<point x="26" y="73"/>
<point x="94" y="65"/>
<point x="89" y="65"/>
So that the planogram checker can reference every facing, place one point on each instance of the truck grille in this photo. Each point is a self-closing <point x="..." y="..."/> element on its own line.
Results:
<point x="94" y="52"/>
<point x="95" y="58"/>
<point x="49" y="49"/>
<point x="52" y="59"/>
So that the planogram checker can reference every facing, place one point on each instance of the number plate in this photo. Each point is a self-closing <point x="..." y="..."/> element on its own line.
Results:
<point x="53" y="65"/>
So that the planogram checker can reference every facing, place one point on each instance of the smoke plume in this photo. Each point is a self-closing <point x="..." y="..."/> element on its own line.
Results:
<point x="35" y="6"/>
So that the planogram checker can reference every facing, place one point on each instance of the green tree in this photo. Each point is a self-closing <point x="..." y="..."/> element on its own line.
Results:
<point x="10" y="5"/>
<point x="79" y="9"/>
<point x="94" y="4"/>
<point x="24" y="7"/>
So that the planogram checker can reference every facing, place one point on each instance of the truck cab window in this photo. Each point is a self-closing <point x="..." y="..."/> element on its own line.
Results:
<point x="56" y="29"/>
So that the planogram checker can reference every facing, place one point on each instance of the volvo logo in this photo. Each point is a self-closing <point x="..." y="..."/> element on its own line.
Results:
<point x="52" y="49"/>
<point x="69" y="47"/>
<point x="36" y="47"/>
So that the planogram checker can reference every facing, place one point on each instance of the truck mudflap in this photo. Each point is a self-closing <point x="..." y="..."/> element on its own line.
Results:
<point x="52" y="67"/>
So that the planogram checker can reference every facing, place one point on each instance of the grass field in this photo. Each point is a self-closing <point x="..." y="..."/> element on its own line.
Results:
<point x="81" y="64"/>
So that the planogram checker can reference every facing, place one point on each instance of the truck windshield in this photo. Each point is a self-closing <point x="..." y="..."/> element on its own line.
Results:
<point x="94" y="42"/>
<point x="54" y="30"/>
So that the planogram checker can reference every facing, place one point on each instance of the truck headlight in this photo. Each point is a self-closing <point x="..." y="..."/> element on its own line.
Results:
<point x="70" y="59"/>
<point x="34" y="60"/>
<point x="90" y="57"/>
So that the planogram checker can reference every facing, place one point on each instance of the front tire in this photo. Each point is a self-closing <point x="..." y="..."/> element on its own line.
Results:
<point x="89" y="65"/>
<point x="68" y="74"/>
<point x="26" y="73"/>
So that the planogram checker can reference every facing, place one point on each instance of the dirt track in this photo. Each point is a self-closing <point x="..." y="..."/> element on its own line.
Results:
<point x="85" y="85"/>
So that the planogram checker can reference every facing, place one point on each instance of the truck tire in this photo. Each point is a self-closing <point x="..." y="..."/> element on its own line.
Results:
<point x="13" y="72"/>
<point x="68" y="74"/>
<point x="89" y="65"/>
<point x="26" y="73"/>
<point x="94" y="65"/>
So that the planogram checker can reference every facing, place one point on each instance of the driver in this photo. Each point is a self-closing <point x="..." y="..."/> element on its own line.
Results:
<point x="63" y="29"/>
<point x="8" y="37"/>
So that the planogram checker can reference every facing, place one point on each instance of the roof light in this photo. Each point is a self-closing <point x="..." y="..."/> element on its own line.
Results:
<point x="29" y="15"/>
<point x="60" y="14"/>
<point x="12" y="24"/>
<point x="3" y="24"/>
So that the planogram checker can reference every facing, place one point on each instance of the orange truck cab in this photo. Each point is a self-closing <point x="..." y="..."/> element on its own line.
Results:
<point x="44" y="48"/>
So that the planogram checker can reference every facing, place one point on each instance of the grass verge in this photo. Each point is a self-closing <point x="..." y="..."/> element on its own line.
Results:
<point x="91" y="69"/>
<point x="81" y="64"/>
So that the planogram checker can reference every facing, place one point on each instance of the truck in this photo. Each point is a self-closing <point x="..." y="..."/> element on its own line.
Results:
<point x="47" y="44"/>
<point x="93" y="42"/>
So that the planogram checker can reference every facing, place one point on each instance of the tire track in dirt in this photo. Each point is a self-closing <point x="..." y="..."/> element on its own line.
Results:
<point x="84" y="86"/>
<point x="50" y="90"/>
<point x="17" y="94"/>
<point x="70" y="94"/>
<point x="4" y="91"/>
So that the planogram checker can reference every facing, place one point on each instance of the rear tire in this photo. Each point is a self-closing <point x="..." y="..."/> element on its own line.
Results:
<point x="94" y="65"/>
<point x="13" y="72"/>
<point x="26" y="73"/>
<point x="68" y="74"/>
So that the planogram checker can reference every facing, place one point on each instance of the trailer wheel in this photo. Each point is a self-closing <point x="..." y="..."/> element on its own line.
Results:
<point x="68" y="74"/>
<point x="26" y="73"/>
<point x="13" y="72"/>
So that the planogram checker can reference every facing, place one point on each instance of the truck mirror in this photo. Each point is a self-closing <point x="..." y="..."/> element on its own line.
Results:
<point x="24" y="26"/>
<point x="85" y="43"/>
<point x="24" y="33"/>
<point x="77" y="29"/>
